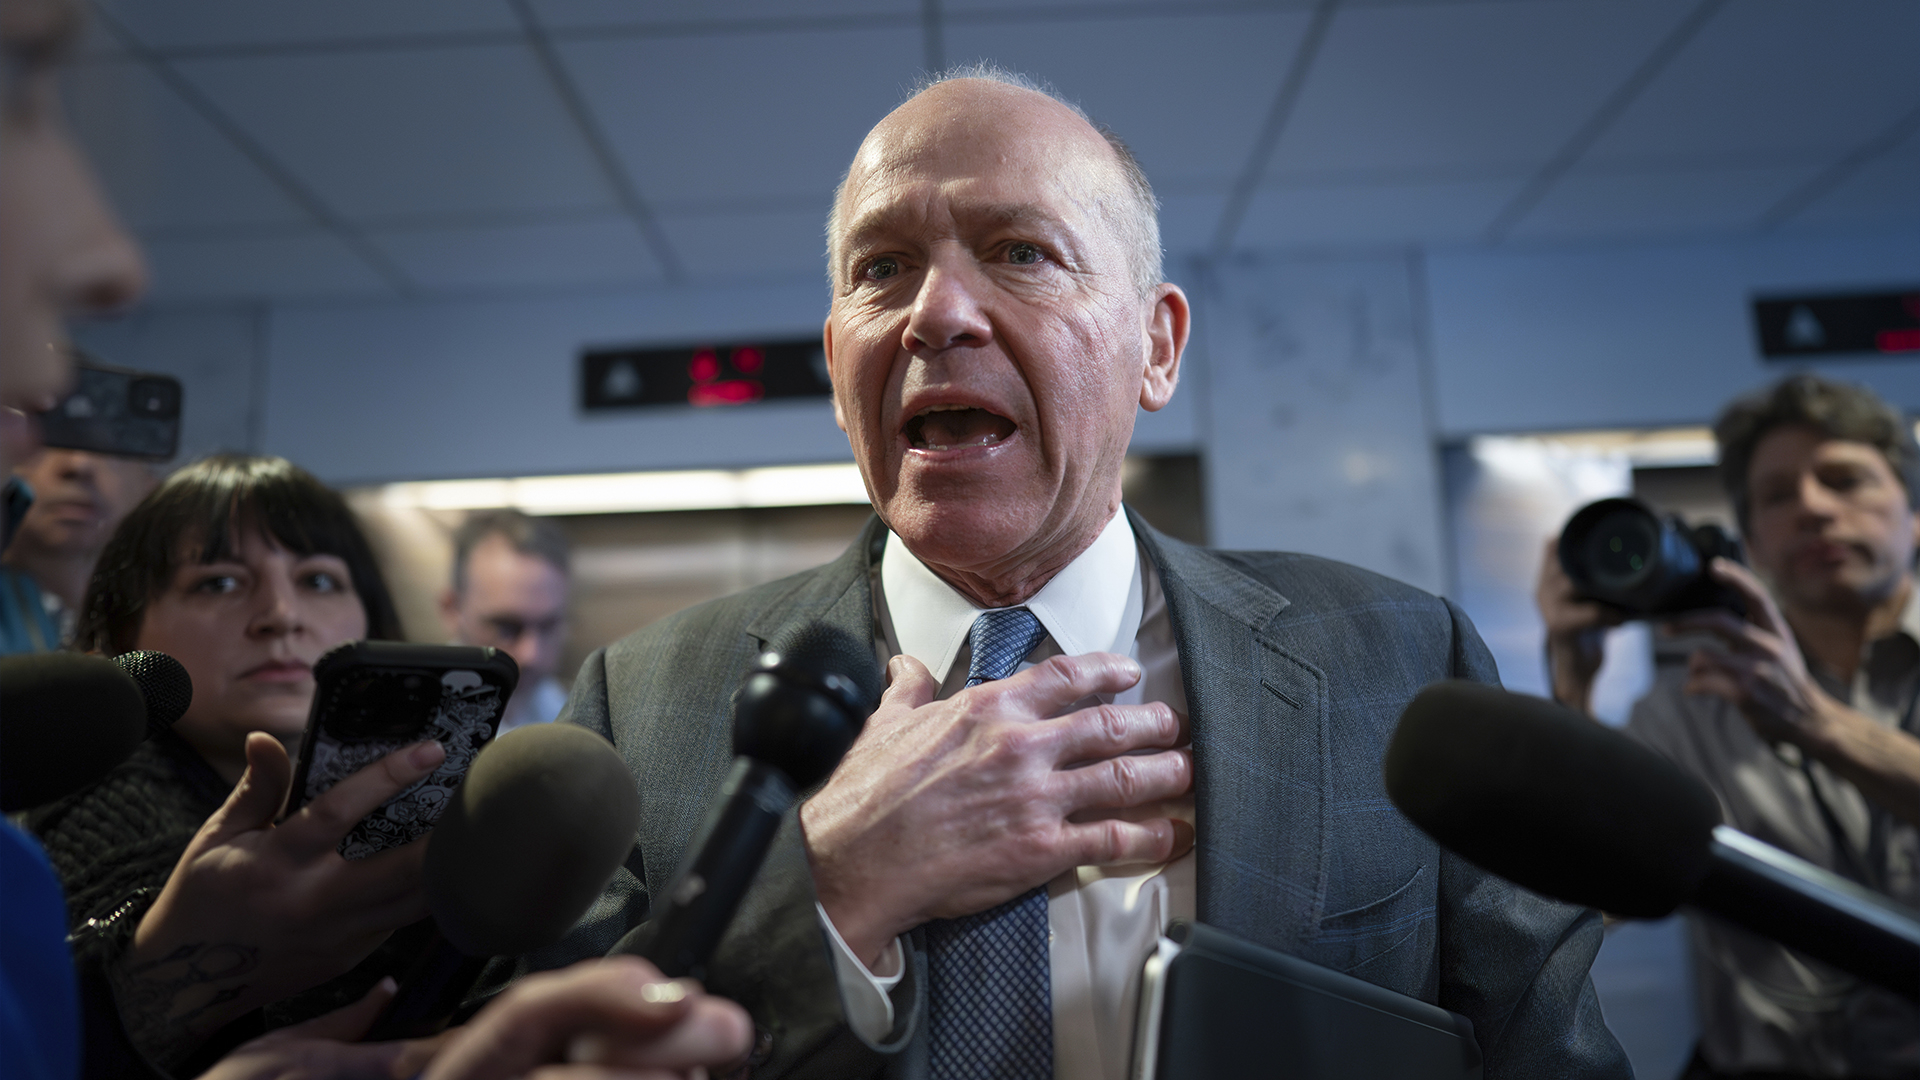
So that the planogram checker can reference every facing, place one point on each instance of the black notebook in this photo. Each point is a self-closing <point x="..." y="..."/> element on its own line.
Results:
<point x="1214" y="1005"/>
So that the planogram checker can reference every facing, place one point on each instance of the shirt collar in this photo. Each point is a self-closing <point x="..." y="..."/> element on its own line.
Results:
<point x="1086" y="607"/>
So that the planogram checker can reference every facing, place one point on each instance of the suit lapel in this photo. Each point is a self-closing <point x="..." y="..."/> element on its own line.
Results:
<point x="841" y="594"/>
<point x="1258" y="714"/>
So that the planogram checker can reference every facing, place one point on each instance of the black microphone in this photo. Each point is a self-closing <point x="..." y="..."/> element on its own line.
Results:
<point x="67" y="719"/>
<point x="528" y="841"/>
<point x="802" y="705"/>
<point x="1562" y="805"/>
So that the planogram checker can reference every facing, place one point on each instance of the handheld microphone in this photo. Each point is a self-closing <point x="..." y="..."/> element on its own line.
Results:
<point x="801" y="706"/>
<point x="533" y="834"/>
<point x="1564" y="806"/>
<point x="67" y="719"/>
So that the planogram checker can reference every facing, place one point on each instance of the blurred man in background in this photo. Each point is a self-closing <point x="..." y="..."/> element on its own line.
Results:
<point x="1800" y="716"/>
<point x="511" y="579"/>
<point x="78" y="498"/>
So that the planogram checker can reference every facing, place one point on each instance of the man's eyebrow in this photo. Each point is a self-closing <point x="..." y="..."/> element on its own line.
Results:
<point x="867" y="227"/>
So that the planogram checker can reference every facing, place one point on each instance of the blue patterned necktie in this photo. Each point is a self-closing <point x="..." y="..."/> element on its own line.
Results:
<point x="989" y="977"/>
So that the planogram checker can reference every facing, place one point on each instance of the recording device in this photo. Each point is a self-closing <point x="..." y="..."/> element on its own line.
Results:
<point x="525" y="846"/>
<point x="1560" y="804"/>
<point x="373" y="697"/>
<point x="67" y="719"/>
<point x="800" y="707"/>
<point x="1620" y="552"/>
<point x="116" y="410"/>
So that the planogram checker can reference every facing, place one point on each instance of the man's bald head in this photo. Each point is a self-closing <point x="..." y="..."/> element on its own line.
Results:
<point x="1125" y="197"/>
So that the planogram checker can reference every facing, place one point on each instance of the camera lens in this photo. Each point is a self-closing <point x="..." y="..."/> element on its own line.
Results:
<point x="154" y="397"/>
<point x="1621" y="549"/>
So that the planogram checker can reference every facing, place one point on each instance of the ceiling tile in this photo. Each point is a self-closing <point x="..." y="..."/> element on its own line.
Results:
<point x="1883" y="191"/>
<point x="600" y="250"/>
<point x="163" y="164"/>
<point x="261" y="267"/>
<point x="431" y="132"/>
<point x="1601" y="204"/>
<point x="1435" y="88"/>
<point x="577" y="14"/>
<point x="239" y="23"/>
<point x="1768" y="81"/>
<point x="1187" y="93"/>
<point x="748" y="246"/>
<point x="742" y="116"/>
<point x="1373" y="214"/>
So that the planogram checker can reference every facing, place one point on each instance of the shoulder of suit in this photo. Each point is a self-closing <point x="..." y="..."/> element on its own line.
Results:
<point x="1307" y="579"/>
<point x="703" y="626"/>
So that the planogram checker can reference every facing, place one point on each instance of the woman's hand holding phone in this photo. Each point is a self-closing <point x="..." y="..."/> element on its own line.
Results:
<point x="255" y="911"/>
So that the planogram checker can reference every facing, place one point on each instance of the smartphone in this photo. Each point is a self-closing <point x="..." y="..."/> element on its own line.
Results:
<point x="115" y="410"/>
<point x="371" y="698"/>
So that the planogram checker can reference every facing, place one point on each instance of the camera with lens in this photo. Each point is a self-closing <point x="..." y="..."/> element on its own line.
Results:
<point x="1621" y="552"/>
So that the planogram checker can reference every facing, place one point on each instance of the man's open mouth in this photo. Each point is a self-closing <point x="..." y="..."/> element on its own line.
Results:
<point x="952" y="427"/>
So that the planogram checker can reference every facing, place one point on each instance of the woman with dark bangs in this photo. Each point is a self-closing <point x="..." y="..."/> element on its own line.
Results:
<point x="187" y="902"/>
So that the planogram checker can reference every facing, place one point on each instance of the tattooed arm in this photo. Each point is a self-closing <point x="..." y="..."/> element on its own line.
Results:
<point x="255" y="911"/>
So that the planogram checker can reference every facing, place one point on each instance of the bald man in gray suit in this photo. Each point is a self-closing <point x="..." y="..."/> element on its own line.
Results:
<point x="1172" y="732"/>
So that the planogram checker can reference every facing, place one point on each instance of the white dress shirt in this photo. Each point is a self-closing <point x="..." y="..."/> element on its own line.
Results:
<point x="1102" y="921"/>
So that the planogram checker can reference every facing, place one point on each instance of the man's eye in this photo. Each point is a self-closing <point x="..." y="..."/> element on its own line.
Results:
<point x="883" y="268"/>
<point x="1024" y="254"/>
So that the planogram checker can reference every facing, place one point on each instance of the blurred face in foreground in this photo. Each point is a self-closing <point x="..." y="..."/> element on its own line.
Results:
<point x="61" y="250"/>
<point x="988" y="340"/>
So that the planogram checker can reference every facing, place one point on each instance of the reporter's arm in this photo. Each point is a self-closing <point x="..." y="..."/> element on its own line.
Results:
<point x="1576" y="633"/>
<point x="255" y="911"/>
<point x="1762" y="671"/>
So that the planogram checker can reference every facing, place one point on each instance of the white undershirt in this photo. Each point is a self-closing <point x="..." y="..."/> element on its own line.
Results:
<point x="1102" y="921"/>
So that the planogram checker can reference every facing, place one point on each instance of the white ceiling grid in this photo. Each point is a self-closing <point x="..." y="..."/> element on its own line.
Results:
<point x="285" y="149"/>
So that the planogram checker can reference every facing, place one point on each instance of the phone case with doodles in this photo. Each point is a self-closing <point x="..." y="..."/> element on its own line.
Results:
<point x="374" y="697"/>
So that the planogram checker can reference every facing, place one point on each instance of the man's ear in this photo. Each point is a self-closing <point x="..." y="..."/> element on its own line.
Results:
<point x="826" y="345"/>
<point x="1168" y="324"/>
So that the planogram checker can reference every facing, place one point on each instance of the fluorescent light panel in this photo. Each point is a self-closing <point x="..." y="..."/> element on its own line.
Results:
<point x="1644" y="448"/>
<point x="624" y="493"/>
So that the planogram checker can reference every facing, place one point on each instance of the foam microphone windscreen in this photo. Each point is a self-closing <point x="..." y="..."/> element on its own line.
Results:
<point x="545" y="816"/>
<point x="1550" y="799"/>
<point x="66" y="719"/>
<point x="164" y="684"/>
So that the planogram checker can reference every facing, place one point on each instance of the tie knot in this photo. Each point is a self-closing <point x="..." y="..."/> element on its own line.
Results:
<point x="1000" y="640"/>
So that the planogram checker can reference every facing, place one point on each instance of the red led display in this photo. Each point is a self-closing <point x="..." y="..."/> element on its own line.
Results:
<point x="704" y="375"/>
<point x="705" y="367"/>
<point x="728" y="392"/>
<point x="748" y="360"/>
<point x="1900" y="340"/>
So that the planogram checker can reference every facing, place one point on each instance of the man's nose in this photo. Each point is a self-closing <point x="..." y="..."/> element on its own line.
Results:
<point x="97" y="267"/>
<point x="1816" y="498"/>
<point x="947" y="312"/>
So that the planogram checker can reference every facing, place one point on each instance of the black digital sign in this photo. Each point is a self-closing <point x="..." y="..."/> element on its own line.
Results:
<point x="1887" y="323"/>
<point x="704" y="376"/>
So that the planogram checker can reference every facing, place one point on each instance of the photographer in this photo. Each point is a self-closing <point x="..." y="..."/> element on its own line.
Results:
<point x="1800" y="716"/>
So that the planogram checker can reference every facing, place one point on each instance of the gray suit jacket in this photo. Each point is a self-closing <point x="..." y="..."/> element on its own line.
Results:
<point x="1296" y="669"/>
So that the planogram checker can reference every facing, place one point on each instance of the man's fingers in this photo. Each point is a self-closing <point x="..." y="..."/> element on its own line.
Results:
<point x="256" y="800"/>
<point x="909" y="684"/>
<point x="1112" y="841"/>
<point x="1760" y="606"/>
<point x="1046" y="688"/>
<point x="322" y="822"/>
<point x="1129" y="780"/>
<point x="714" y="1031"/>
<point x="349" y="1022"/>
<point x="1106" y="731"/>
